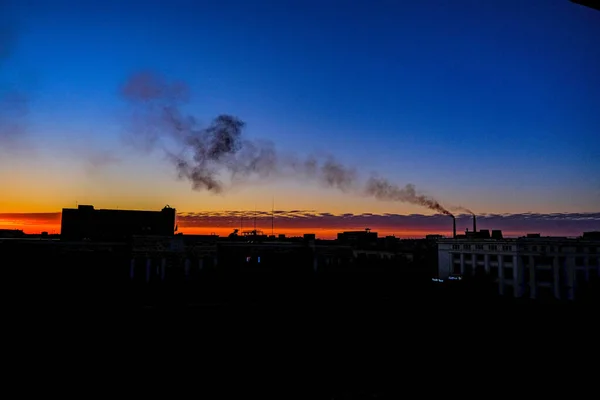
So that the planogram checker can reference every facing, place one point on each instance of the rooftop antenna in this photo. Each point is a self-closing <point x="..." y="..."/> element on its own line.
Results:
<point x="272" y="215"/>
<point x="255" y="218"/>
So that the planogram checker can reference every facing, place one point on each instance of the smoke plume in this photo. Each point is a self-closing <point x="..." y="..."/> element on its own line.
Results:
<point x="208" y="152"/>
<point x="464" y="209"/>
<point x="381" y="189"/>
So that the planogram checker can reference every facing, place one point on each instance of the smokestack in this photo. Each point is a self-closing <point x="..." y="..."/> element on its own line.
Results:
<point x="474" y="224"/>
<point x="453" y="226"/>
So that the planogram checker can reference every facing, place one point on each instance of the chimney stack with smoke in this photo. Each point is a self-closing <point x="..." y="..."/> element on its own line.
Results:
<point x="474" y="224"/>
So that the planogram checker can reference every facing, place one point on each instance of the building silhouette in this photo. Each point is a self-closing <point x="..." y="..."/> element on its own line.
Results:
<point x="11" y="233"/>
<point x="87" y="223"/>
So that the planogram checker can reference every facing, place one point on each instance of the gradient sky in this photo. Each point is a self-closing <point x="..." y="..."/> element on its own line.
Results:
<point x="487" y="104"/>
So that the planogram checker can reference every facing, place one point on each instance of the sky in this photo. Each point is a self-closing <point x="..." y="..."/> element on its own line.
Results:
<point x="490" y="105"/>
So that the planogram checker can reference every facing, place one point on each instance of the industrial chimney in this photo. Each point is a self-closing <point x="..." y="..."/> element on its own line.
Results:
<point x="474" y="224"/>
<point x="453" y="227"/>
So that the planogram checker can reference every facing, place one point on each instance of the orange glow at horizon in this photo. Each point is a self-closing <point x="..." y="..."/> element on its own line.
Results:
<point x="326" y="225"/>
<point x="33" y="223"/>
<point x="32" y="229"/>
<point x="323" y="233"/>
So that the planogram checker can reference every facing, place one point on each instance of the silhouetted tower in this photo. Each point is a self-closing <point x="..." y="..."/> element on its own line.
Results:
<point x="453" y="226"/>
<point x="272" y="216"/>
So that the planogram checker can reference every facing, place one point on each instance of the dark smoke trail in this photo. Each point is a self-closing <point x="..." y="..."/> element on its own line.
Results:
<point x="465" y="209"/>
<point x="329" y="172"/>
<point x="209" y="151"/>
<point x="157" y="116"/>
<point x="155" y="112"/>
<point x="219" y="146"/>
<point x="337" y="175"/>
<point x="212" y="147"/>
<point x="381" y="189"/>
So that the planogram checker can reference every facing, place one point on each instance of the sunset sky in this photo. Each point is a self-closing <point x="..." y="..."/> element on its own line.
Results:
<point x="490" y="105"/>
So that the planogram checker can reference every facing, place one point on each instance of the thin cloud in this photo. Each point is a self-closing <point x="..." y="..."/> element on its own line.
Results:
<point x="569" y="224"/>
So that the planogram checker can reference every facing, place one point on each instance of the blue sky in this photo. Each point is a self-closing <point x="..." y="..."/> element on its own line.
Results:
<point x="491" y="104"/>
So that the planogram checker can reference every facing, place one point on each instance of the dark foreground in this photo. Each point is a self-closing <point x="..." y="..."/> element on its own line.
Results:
<point x="312" y="336"/>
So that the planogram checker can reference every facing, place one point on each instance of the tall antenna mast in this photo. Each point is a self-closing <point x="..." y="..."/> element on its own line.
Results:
<point x="272" y="215"/>
<point x="255" y="218"/>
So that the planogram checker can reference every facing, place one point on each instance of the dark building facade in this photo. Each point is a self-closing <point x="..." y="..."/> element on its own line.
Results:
<point x="87" y="223"/>
<point x="358" y="239"/>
